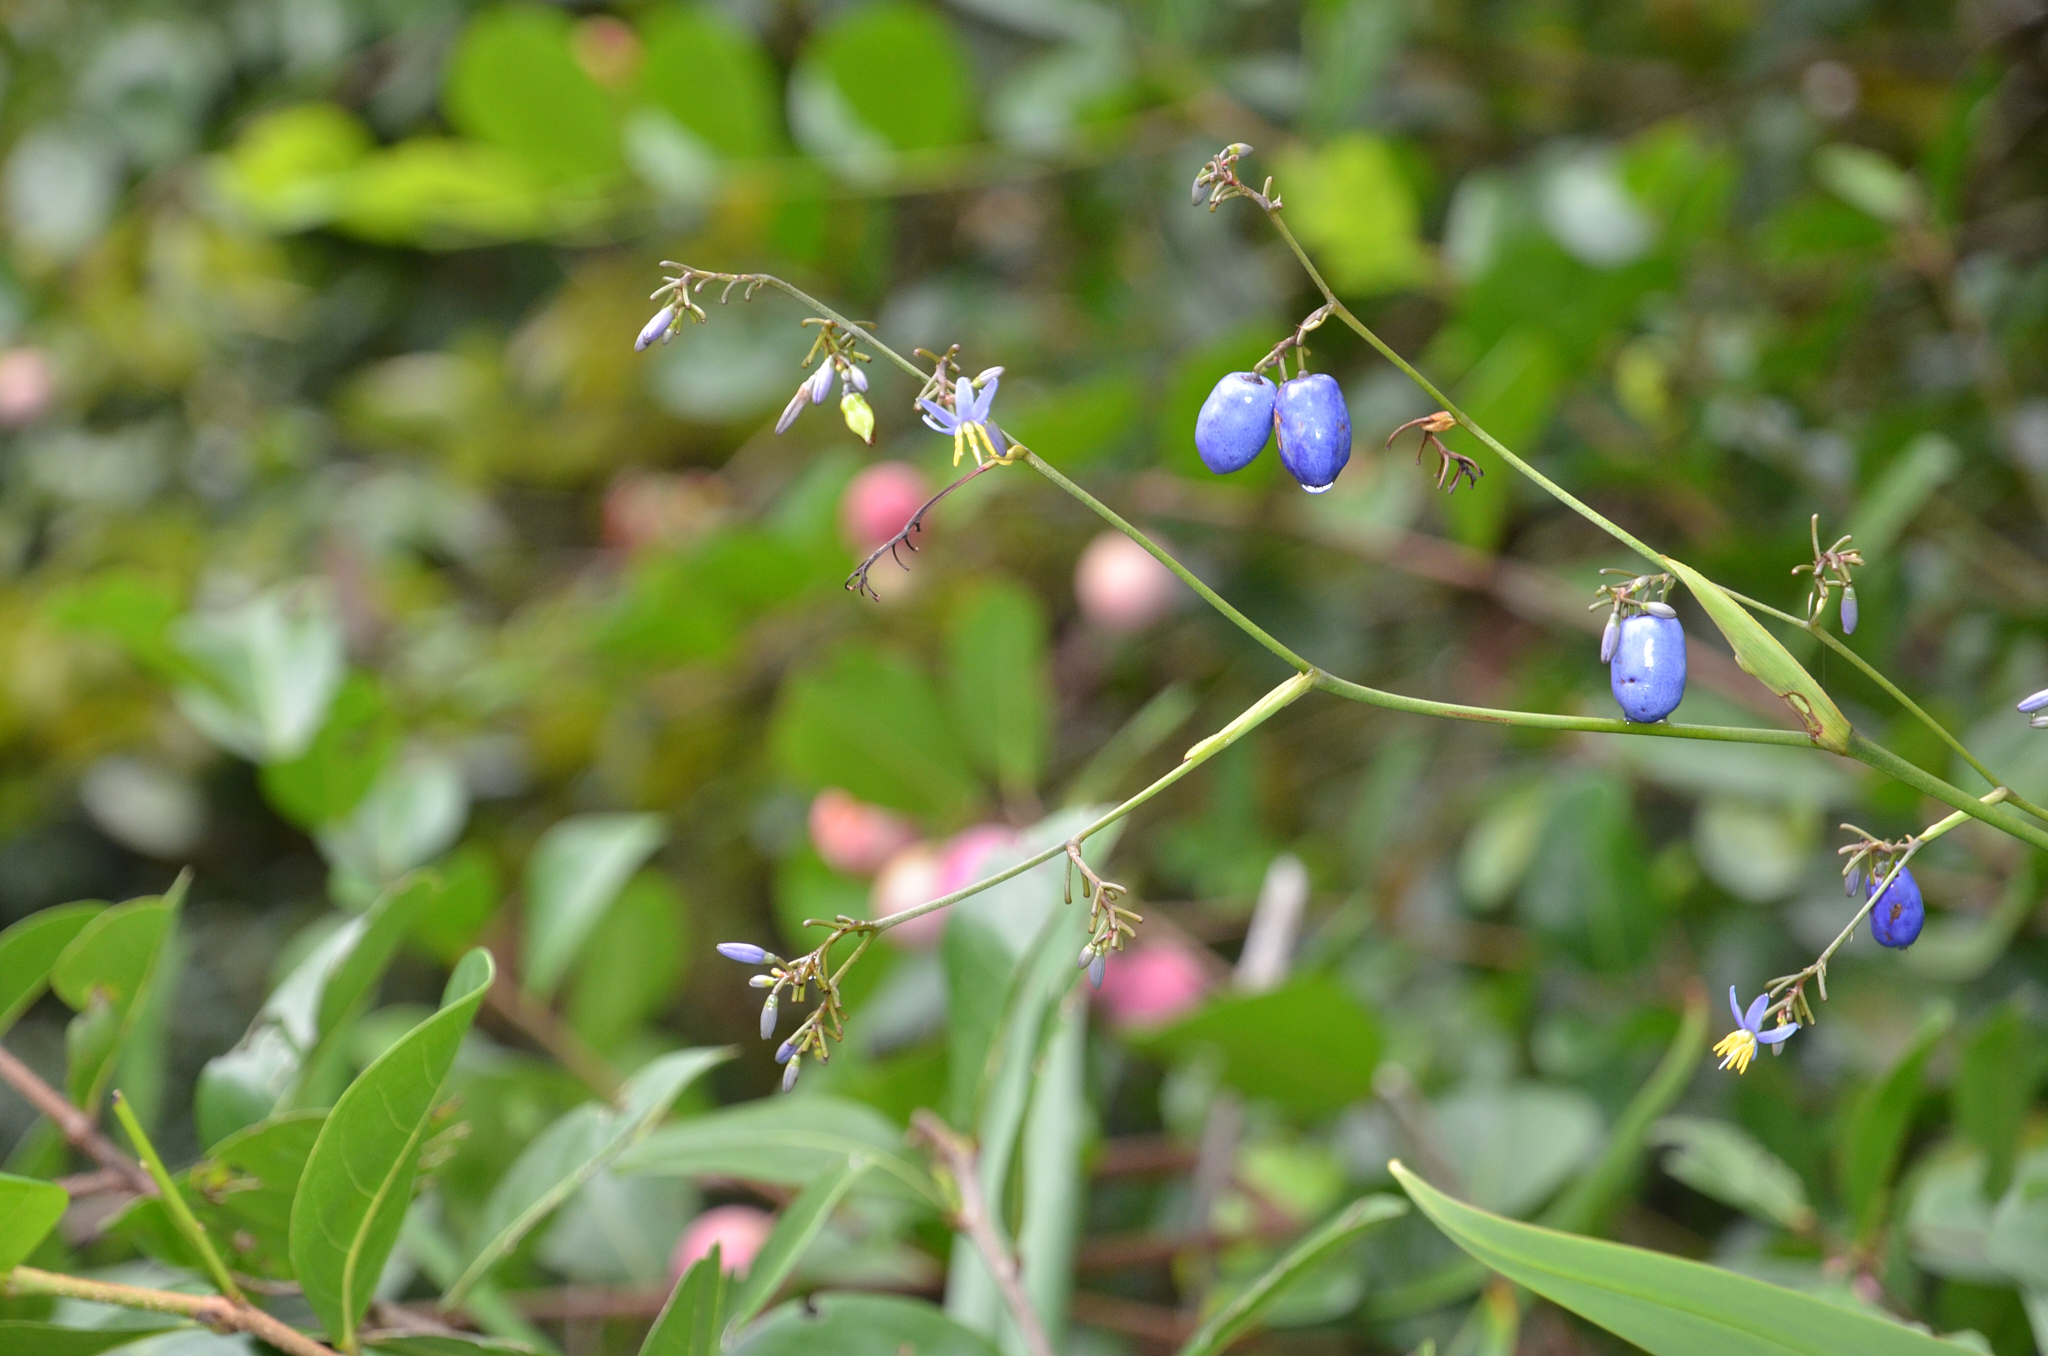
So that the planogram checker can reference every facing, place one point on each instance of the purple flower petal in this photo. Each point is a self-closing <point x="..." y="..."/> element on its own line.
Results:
<point x="1777" y="1035"/>
<point x="938" y="418"/>
<point x="655" y="328"/>
<point x="1734" y="1005"/>
<point x="1756" y="1012"/>
<point x="2035" y="702"/>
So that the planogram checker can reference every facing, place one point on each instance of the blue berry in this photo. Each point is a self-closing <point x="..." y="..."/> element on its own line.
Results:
<point x="1315" y="430"/>
<point x="1236" y="422"/>
<point x="1648" y="672"/>
<point x="1898" y="915"/>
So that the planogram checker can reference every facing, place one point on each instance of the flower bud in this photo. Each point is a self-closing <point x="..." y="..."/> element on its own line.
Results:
<point x="2035" y="702"/>
<point x="2039" y="722"/>
<point x="746" y="953"/>
<point x="856" y="378"/>
<point x="1195" y="198"/>
<point x="657" y="328"/>
<point x="768" y="1018"/>
<point x="1660" y="609"/>
<point x="1849" y="610"/>
<point x="761" y="981"/>
<point x="790" y="1072"/>
<point x="794" y="408"/>
<point x="853" y="408"/>
<point x="1087" y="958"/>
<point x="1610" y="635"/>
<point x="821" y="384"/>
<point x="1096" y="969"/>
<point x="785" y="1052"/>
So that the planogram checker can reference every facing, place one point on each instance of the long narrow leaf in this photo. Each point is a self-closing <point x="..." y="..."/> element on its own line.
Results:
<point x="795" y="1231"/>
<point x="1668" y="1306"/>
<point x="689" y="1323"/>
<point x="1244" y="1309"/>
<point x="30" y="948"/>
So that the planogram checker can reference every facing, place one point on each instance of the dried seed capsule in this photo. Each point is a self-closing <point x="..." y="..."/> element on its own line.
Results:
<point x="768" y="1017"/>
<point x="1660" y="609"/>
<point x="1609" y="635"/>
<point x="1236" y="422"/>
<point x="1648" y="672"/>
<point x="746" y="953"/>
<point x="656" y="328"/>
<point x="1315" y="430"/>
<point x="790" y="1071"/>
<point x="1849" y="610"/>
<point x="1900" y="913"/>
<point x="2035" y="702"/>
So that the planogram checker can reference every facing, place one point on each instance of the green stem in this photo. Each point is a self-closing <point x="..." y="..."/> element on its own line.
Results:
<point x="1538" y="720"/>
<point x="1998" y="816"/>
<point x="1868" y="670"/>
<point x="174" y="1201"/>
<point x="216" y="1312"/>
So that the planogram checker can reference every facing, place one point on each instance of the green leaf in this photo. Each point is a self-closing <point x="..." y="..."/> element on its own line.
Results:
<point x="786" y="1141"/>
<point x="1666" y="1305"/>
<point x="999" y="686"/>
<point x="1725" y="1162"/>
<point x="1242" y="1311"/>
<point x="889" y="75"/>
<point x="271" y="666"/>
<point x="873" y="725"/>
<point x="412" y="814"/>
<point x="243" y="1189"/>
<point x="796" y="1228"/>
<point x="1868" y="181"/>
<point x="28" y="1211"/>
<point x="358" y="1180"/>
<point x="1510" y="392"/>
<point x="690" y="1323"/>
<point x="29" y="951"/>
<point x="130" y="607"/>
<point x="1875" y="1130"/>
<point x="338" y="768"/>
<point x="1922" y="466"/>
<point x="387" y="924"/>
<point x="576" y="870"/>
<point x="569" y="1153"/>
<point x="22" y="1337"/>
<point x="859" y="1325"/>
<point x="288" y="170"/>
<point x="1764" y="659"/>
<point x="712" y="76"/>
<point x="471" y="892"/>
<point x="1514" y="1144"/>
<point x="513" y="81"/>
<point x="632" y="965"/>
<point x="107" y="973"/>
<point x="1352" y="207"/>
<point x="1052" y="1172"/>
<point x="1307" y="1045"/>
<point x="441" y="193"/>
<point x="1994" y="1084"/>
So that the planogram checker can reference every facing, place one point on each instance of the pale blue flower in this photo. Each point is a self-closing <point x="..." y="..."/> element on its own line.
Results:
<point x="1738" y="1047"/>
<point x="968" y="421"/>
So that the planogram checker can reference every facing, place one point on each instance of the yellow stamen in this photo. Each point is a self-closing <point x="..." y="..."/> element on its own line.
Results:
<point x="959" y="443"/>
<point x="1737" y="1048"/>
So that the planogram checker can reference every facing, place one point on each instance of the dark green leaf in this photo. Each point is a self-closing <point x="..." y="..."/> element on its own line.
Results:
<point x="999" y="684"/>
<point x="29" y="951"/>
<point x="514" y="81"/>
<point x="1307" y="1045"/>
<point x="1994" y="1085"/>
<point x="107" y="973"/>
<point x="1875" y="1131"/>
<point x="338" y="768"/>
<point x="874" y="726"/>
<point x="1237" y="1316"/>
<point x="796" y="1228"/>
<point x="358" y="1180"/>
<point x="860" y="1325"/>
<point x="714" y="78"/>
<point x="692" y="1320"/>
<point x="1725" y="1162"/>
<point x="21" y="1337"/>
<point x="576" y="870"/>
<point x="632" y="965"/>
<point x="1668" y="1306"/>
<point x="900" y="73"/>
<point x="28" y="1211"/>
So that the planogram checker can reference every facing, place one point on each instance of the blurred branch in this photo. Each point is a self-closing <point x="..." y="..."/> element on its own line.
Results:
<point x="213" y="1311"/>
<point x="973" y="1218"/>
<point x="539" y="1023"/>
<point x="76" y="1127"/>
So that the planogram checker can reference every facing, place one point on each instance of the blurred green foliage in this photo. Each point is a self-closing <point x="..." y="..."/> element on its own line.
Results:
<point x="350" y="558"/>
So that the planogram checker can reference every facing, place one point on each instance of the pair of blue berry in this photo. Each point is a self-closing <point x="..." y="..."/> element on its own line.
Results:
<point x="1308" y="414"/>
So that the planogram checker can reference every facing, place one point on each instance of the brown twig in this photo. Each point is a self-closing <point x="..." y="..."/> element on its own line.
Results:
<point x="76" y="1127"/>
<point x="857" y="582"/>
<point x="540" y="1024"/>
<point x="214" y="1311"/>
<point x="959" y="1158"/>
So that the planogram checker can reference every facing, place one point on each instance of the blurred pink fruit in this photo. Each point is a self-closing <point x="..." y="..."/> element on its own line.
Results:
<point x="26" y="386"/>
<point x="853" y="837"/>
<point x="879" y="501"/>
<point x="738" y="1231"/>
<point x="1122" y="589"/>
<point x="660" y="508"/>
<point x="960" y="860"/>
<point x="910" y="878"/>
<point x="1151" y="984"/>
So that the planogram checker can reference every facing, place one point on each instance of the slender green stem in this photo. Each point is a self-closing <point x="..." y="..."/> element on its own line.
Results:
<point x="174" y="1200"/>
<point x="1998" y="816"/>
<point x="1537" y="720"/>
<point x="215" y="1311"/>
<point x="1870" y="671"/>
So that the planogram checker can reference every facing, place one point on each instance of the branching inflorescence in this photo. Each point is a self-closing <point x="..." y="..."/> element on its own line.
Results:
<point x="1643" y="641"/>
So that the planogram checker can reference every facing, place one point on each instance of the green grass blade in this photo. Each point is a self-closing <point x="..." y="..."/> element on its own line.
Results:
<point x="1241" y="1312"/>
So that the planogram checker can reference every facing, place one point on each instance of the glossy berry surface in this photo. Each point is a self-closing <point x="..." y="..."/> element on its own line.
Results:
<point x="1236" y="422"/>
<point x="1898" y="915"/>
<point x="1315" y="430"/>
<point x="1648" y="671"/>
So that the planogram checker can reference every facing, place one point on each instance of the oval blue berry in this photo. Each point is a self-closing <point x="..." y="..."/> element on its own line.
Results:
<point x="1648" y="672"/>
<point x="1899" y="914"/>
<point x="1236" y="422"/>
<point x="1315" y="430"/>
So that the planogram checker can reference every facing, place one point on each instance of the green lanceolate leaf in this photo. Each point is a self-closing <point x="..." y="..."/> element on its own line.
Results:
<point x="1244" y="1308"/>
<point x="689" y="1323"/>
<point x="860" y="1325"/>
<point x="786" y="1141"/>
<point x="1876" y="1129"/>
<point x="28" y="1211"/>
<point x="29" y="950"/>
<point x="577" y="869"/>
<point x="1668" y="1306"/>
<point x="1764" y="659"/>
<point x="22" y="1337"/>
<point x="106" y="973"/>
<point x="797" y="1228"/>
<point x="572" y="1151"/>
<point x="1725" y="1162"/>
<point x="358" y="1180"/>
